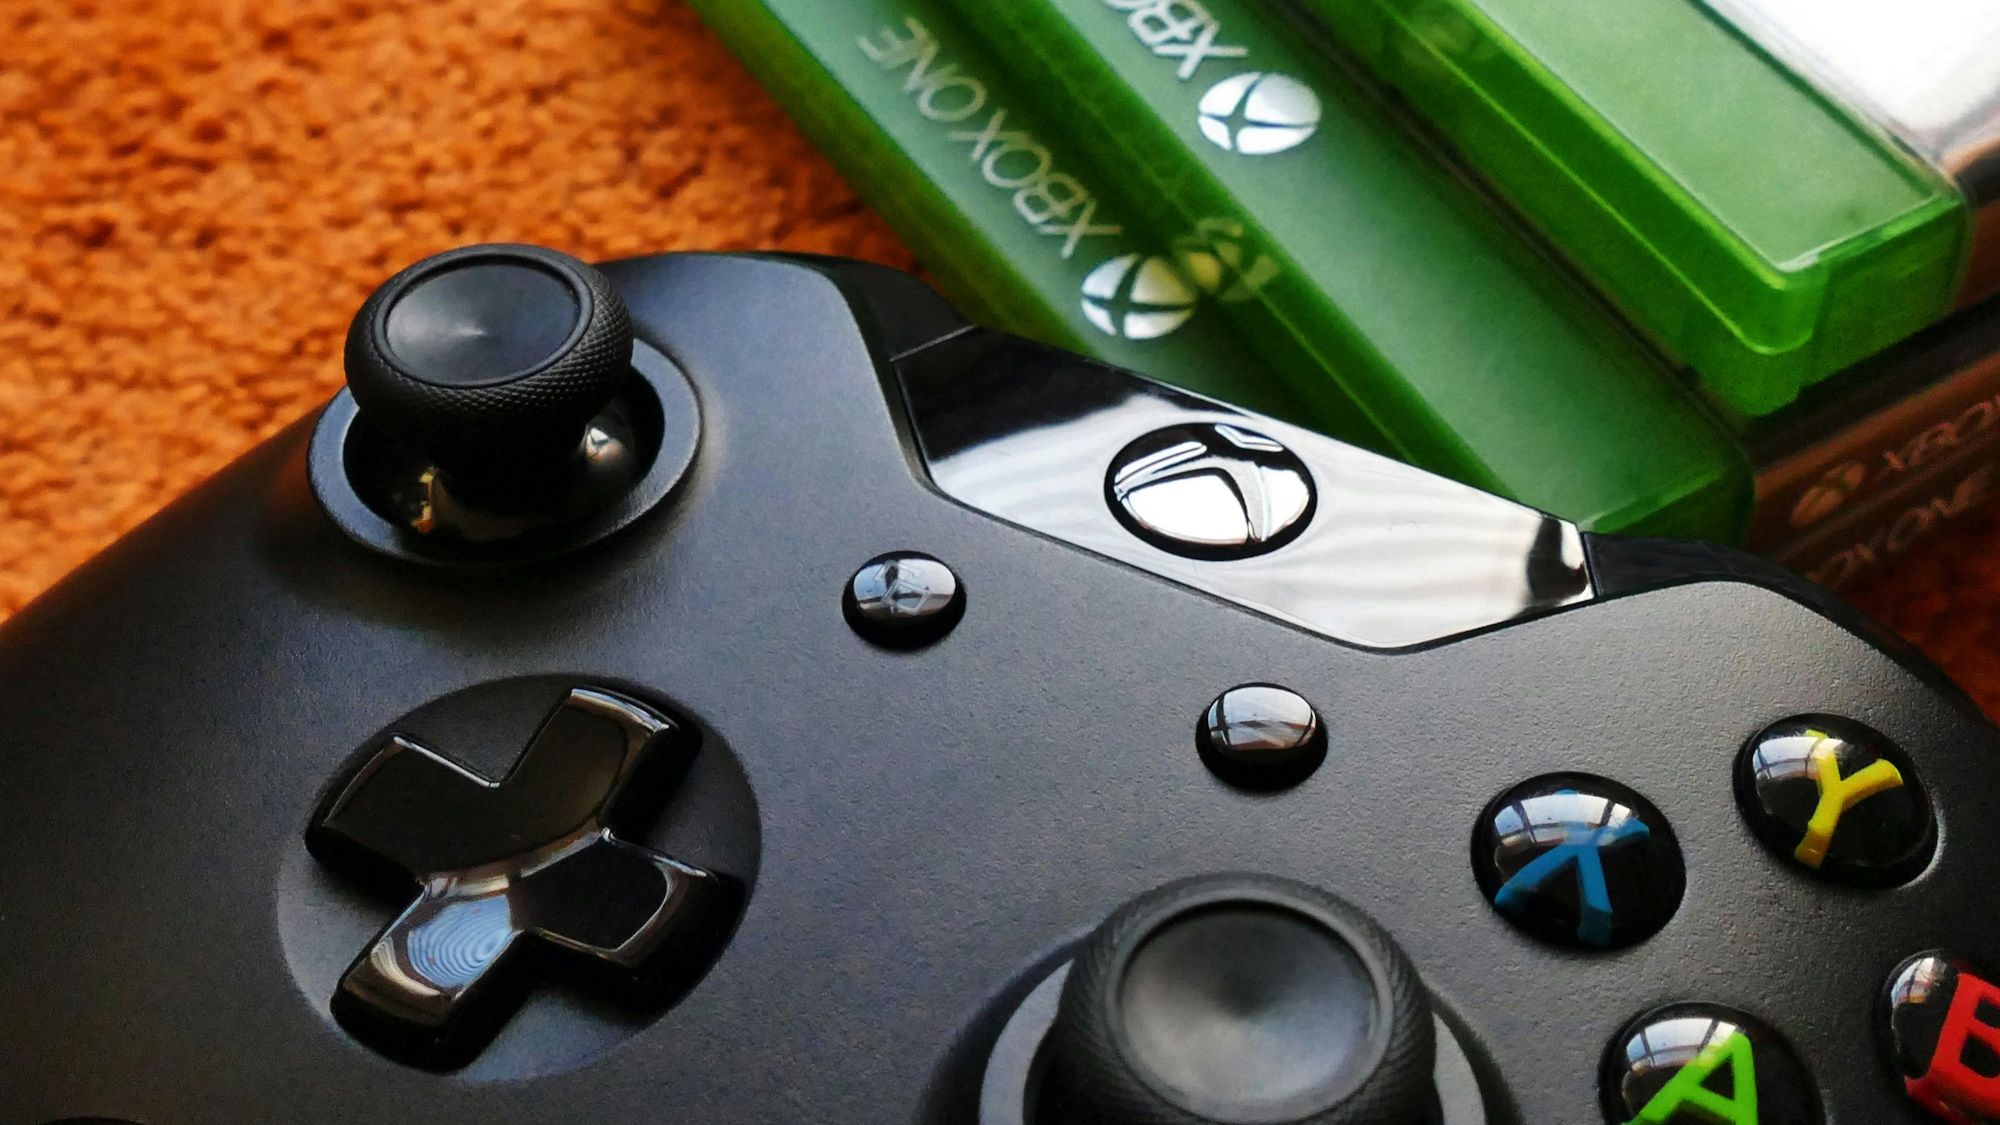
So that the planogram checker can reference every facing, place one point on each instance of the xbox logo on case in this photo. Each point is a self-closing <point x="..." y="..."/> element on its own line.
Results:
<point x="1827" y="495"/>
<point x="1221" y="263"/>
<point x="1138" y="297"/>
<point x="1259" y="114"/>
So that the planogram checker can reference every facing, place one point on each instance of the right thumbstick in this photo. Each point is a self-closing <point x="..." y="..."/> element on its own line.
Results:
<point x="1240" y="1000"/>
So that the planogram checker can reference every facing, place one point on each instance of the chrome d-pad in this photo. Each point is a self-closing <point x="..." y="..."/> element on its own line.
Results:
<point x="516" y="878"/>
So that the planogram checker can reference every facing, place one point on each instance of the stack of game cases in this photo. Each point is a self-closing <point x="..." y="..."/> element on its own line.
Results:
<point x="1709" y="270"/>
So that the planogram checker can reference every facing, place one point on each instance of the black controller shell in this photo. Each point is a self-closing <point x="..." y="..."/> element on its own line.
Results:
<point x="935" y="826"/>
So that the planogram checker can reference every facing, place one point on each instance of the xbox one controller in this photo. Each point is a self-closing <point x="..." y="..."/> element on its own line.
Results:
<point x="734" y="688"/>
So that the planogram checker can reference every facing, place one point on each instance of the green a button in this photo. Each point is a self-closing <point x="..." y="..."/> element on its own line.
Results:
<point x="1704" y="1064"/>
<point x="1688" y="1089"/>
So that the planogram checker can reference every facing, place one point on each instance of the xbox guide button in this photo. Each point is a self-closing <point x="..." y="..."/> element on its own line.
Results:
<point x="1210" y="490"/>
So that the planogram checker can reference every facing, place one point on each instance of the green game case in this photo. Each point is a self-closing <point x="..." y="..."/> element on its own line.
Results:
<point x="1399" y="279"/>
<point x="1008" y="223"/>
<point x="1085" y="272"/>
<point x="1769" y="234"/>
<point x="1397" y="309"/>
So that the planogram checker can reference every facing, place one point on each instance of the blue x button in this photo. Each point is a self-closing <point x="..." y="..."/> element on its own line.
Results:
<point x="1579" y="861"/>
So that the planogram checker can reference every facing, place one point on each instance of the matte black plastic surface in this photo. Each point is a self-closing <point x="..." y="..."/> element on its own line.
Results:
<point x="932" y="826"/>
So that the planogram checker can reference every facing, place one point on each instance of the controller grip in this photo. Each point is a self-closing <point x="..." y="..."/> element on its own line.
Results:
<point x="1621" y="566"/>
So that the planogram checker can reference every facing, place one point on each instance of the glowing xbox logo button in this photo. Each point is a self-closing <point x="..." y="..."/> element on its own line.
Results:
<point x="1138" y="297"/>
<point x="1258" y="114"/>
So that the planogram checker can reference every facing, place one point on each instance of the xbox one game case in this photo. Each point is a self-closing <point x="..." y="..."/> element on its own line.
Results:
<point x="877" y="83"/>
<point x="1449" y="343"/>
<point x="1873" y="430"/>
<point x="1857" y="537"/>
<point x="942" y="141"/>
<point x="1405" y="285"/>
<point x="1702" y="162"/>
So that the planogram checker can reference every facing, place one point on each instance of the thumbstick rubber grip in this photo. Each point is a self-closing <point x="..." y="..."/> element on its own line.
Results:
<point x="1228" y="999"/>
<point x="490" y="359"/>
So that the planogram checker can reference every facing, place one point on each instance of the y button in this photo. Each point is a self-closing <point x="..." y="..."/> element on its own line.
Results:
<point x="1838" y="800"/>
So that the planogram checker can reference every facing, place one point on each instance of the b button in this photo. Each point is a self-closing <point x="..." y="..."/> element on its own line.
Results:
<point x="1942" y="1029"/>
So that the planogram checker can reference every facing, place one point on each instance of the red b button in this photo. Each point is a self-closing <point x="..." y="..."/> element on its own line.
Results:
<point x="1943" y="1029"/>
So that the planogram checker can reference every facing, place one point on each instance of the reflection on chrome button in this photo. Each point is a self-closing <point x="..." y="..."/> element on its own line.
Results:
<point x="1277" y="519"/>
<point x="1210" y="490"/>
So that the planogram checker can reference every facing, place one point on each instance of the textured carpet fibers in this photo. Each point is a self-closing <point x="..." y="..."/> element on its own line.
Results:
<point x="196" y="194"/>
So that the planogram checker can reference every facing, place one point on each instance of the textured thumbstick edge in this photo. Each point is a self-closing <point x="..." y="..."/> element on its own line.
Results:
<point x="567" y="390"/>
<point x="1112" y="1085"/>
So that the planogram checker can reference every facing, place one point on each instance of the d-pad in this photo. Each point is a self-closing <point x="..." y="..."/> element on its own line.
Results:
<point x="516" y="878"/>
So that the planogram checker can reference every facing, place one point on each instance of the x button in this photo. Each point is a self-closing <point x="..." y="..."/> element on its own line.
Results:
<point x="516" y="879"/>
<point x="1579" y="861"/>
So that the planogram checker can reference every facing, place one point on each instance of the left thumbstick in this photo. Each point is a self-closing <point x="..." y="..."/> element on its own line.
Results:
<point x="491" y="361"/>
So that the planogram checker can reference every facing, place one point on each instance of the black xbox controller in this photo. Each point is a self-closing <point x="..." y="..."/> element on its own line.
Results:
<point x="735" y="689"/>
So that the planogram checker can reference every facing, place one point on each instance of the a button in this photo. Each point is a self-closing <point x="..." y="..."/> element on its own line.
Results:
<point x="512" y="875"/>
<point x="1704" y="1064"/>
<point x="1261" y="736"/>
<point x="1210" y="490"/>
<point x="1579" y="860"/>
<point x="903" y="600"/>
<point x="1838" y="799"/>
<point x="1941" y="1024"/>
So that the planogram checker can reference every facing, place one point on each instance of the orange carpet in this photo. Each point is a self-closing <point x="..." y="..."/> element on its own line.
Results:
<point x="195" y="195"/>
